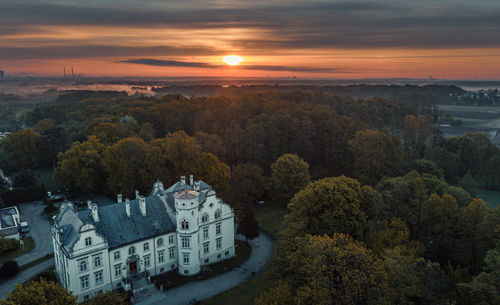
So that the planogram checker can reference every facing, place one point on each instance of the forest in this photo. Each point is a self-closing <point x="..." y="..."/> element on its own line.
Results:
<point x="382" y="207"/>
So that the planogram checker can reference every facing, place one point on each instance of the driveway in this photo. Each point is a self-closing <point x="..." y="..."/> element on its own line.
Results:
<point x="39" y="231"/>
<point x="21" y="277"/>
<point x="262" y="249"/>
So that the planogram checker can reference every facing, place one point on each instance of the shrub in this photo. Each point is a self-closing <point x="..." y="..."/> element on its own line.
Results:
<point x="9" y="269"/>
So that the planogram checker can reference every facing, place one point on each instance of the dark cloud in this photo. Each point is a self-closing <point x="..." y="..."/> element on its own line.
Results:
<point x="174" y="63"/>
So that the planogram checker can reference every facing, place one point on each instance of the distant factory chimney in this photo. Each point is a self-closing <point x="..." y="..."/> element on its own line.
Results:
<point x="72" y="74"/>
<point x="64" y="71"/>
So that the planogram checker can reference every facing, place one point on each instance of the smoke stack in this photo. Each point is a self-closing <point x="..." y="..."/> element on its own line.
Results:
<point x="95" y="215"/>
<point x="72" y="74"/>
<point x="183" y="179"/>
<point x="127" y="207"/>
<point x="119" y="198"/>
<point x="191" y="179"/>
<point x="89" y="204"/>
<point x="136" y="194"/>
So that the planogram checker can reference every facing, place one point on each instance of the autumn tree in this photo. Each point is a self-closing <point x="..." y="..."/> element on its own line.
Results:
<point x="328" y="270"/>
<point x="79" y="168"/>
<point x="290" y="174"/>
<point x="417" y="130"/>
<point x="468" y="184"/>
<point x="213" y="171"/>
<point x="376" y="154"/>
<point x="282" y="294"/>
<point x="40" y="292"/>
<point x="109" y="298"/>
<point x="485" y="286"/>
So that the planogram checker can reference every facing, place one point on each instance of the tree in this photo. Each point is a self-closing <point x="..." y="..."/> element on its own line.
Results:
<point x="328" y="270"/>
<point x="468" y="184"/>
<point x="4" y="185"/>
<point x="80" y="168"/>
<point x="416" y="131"/>
<point x="247" y="184"/>
<point x="24" y="179"/>
<point x="247" y="224"/>
<point x="289" y="175"/>
<point x="485" y="287"/>
<point x="132" y="164"/>
<point x="328" y="206"/>
<point x="377" y="155"/>
<point x="281" y="294"/>
<point x="213" y="171"/>
<point x="40" y="292"/>
<point x="9" y="269"/>
<point x="109" y="298"/>
<point x="21" y="149"/>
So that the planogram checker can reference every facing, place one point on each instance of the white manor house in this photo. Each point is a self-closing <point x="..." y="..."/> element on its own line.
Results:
<point x="182" y="228"/>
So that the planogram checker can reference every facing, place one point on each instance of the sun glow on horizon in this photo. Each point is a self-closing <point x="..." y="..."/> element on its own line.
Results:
<point x="232" y="60"/>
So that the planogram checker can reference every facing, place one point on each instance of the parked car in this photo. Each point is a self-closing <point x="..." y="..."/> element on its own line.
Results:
<point x="24" y="227"/>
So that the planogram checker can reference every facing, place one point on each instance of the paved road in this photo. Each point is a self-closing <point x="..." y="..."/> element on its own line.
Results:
<point x="9" y="285"/>
<point x="39" y="231"/>
<point x="262" y="249"/>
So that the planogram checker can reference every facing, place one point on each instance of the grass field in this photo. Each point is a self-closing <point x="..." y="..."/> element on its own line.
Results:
<point x="270" y="220"/>
<point x="28" y="246"/>
<point x="492" y="198"/>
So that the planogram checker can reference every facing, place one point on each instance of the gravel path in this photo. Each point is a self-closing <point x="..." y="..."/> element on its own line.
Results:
<point x="262" y="249"/>
<point x="21" y="277"/>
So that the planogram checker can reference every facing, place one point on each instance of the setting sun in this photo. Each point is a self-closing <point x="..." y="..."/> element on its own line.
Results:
<point x="232" y="60"/>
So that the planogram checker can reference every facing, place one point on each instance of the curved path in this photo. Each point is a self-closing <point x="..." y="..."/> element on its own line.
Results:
<point x="262" y="249"/>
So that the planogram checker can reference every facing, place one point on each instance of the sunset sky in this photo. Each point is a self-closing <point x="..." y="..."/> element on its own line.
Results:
<point x="315" y="38"/>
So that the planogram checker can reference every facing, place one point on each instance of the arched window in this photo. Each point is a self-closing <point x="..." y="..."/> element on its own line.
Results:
<point x="184" y="225"/>
<point x="217" y="214"/>
<point x="159" y="242"/>
<point x="204" y="218"/>
<point x="131" y="250"/>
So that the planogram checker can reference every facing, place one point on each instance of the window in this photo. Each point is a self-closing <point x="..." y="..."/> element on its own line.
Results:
<point x="217" y="214"/>
<point x="83" y="266"/>
<point x="185" y="242"/>
<point x="162" y="269"/>
<point x="185" y="257"/>
<point x="161" y="256"/>
<point x="217" y="229"/>
<point x="204" y="218"/>
<point x="205" y="247"/>
<point x="171" y="253"/>
<point x="84" y="282"/>
<point x="170" y="239"/>
<point x="172" y="266"/>
<point x="118" y="270"/>
<point x="146" y="246"/>
<point x="131" y="250"/>
<point x="88" y="241"/>
<point x="159" y="242"/>
<point x="98" y="278"/>
<point x="97" y="261"/>
<point x="205" y="232"/>
<point x="185" y="225"/>
<point x="218" y="243"/>
<point x="86" y="297"/>
<point x="116" y="255"/>
<point x="219" y="256"/>
<point x="226" y="253"/>
<point x="206" y="260"/>
<point x="186" y="271"/>
<point x="147" y="261"/>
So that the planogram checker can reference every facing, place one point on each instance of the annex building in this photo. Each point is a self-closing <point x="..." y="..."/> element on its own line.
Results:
<point x="182" y="228"/>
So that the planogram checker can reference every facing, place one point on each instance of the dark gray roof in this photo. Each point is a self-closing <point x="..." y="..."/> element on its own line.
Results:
<point x="119" y="229"/>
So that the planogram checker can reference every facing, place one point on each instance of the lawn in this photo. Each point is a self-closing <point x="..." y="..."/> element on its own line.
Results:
<point x="270" y="219"/>
<point x="47" y="274"/>
<point x="492" y="198"/>
<point x="172" y="279"/>
<point x="28" y="246"/>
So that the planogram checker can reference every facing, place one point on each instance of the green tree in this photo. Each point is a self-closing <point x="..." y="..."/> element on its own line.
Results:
<point x="377" y="155"/>
<point x="247" y="184"/>
<point x="247" y="224"/>
<point x="213" y="171"/>
<point x="468" y="184"/>
<point x="80" y="168"/>
<point x="485" y="287"/>
<point x="290" y="174"/>
<point x="40" y="292"/>
<point x="328" y="206"/>
<point x="21" y="149"/>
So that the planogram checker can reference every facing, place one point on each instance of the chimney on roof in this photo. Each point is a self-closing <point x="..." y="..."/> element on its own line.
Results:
<point x="196" y="186"/>
<point x="191" y="179"/>
<point x="183" y="179"/>
<point x="119" y="198"/>
<point x="136" y="194"/>
<point x="127" y="207"/>
<point x="95" y="215"/>
<point x="142" y="205"/>
<point x="89" y="204"/>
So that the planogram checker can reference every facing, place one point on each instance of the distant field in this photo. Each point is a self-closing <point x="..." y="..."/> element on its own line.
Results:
<point x="492" y="198"/>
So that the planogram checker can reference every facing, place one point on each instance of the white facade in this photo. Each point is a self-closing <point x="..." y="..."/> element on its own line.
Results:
<point x="182" y="228"/>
